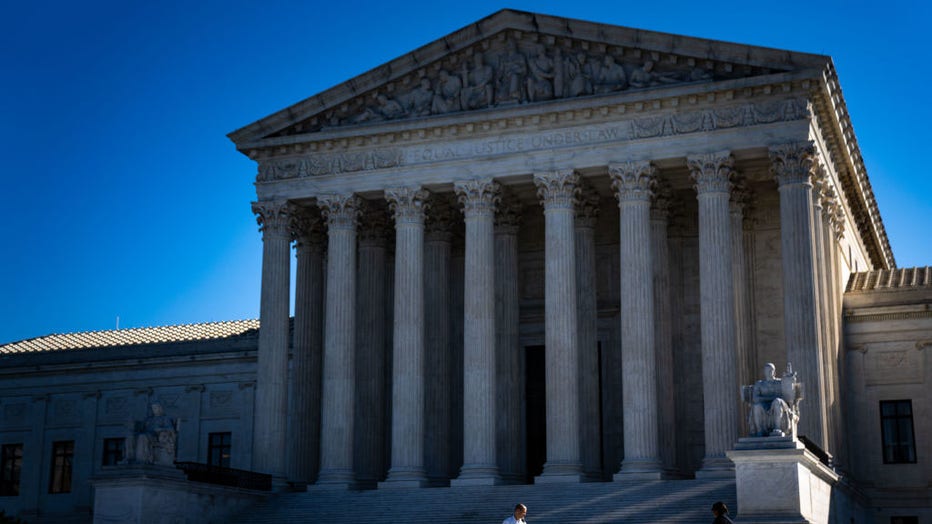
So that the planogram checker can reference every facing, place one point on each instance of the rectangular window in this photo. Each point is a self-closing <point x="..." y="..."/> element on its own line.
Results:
<point x="11" y="463"/>
<point x="62" y="458"/>
<point x="896" y="426"/>
<point x="113" y="451"/>
<point x="218" y="449"/>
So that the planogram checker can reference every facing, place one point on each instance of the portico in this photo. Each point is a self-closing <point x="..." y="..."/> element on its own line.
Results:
<point x="616" y="224"/>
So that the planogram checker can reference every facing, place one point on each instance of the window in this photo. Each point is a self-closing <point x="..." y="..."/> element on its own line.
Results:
<point x="896" y="426"/>
<point x="218" y="449"/>
<point x="113" y="451"/>
<point x="62" y="457"/>
<point x="11" y="463"/>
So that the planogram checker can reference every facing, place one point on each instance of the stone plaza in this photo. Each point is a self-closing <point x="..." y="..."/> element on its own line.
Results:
<point x="536" y="251"/>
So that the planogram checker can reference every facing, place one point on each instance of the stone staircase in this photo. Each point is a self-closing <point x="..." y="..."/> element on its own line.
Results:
<point x="685" y="501"/>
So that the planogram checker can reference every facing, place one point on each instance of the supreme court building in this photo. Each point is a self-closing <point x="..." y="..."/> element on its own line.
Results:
<point x="547" y="250"/>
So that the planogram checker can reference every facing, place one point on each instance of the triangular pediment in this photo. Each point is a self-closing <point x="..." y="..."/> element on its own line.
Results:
<point x="512" y="59"/>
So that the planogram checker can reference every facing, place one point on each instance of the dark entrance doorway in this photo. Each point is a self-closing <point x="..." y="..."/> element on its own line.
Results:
<point x="535" y="412"/>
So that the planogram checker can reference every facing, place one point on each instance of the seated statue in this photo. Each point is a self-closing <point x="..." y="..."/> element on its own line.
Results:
<point x="152" y="441"/>
<point x="774" y="404"/>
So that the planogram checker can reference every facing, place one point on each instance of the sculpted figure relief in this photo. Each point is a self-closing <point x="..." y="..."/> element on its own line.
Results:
<point x="477" y="90"/>
<point x="774" y="404"/>
<point x="510" y="73"/>
<point x="152" y="441"/>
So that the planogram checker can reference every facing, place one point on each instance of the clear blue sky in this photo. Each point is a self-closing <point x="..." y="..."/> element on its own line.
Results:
<point x="123" y="197"/>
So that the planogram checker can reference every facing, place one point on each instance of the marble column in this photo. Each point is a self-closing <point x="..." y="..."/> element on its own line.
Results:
<point x="438" y="244"/>
<point x="304" y="441"/>
<point x="272" y="363"/>
<point x="407" y="466"/>
<point x="792" y="165"/>
<point x="663" y="326"/>
<point x="633" y="184"/>
<point x="557" y="191"/>
<point x="339" y="372"/>
<point x="480" y="465"/>
<point x="587" y="320"/>
<point x="509" y="381"/>
<point x="712" y="174"/>
<point x="369" y="461"/>
<point x="743" y="334"/>
<point x="821" y="304"/>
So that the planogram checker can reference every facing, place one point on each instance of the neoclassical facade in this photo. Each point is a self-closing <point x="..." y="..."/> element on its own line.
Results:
<point x="537" y="250"/>
<point x="549" y="249"/>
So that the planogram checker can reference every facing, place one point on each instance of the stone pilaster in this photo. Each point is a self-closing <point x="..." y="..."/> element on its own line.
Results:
<point x="663" y="325"/>
<point x="480" y="465"/>
<point x="712" y="174"/>
<point x="272" y="363"/>
<point x="792" y="164"/>
<point x="740" y="197"/>
<point x="307" y="352"/>
<point x="407" y="466"/>
<point x="339" y="377"/>
<point x="438" y="432"/>
<point x="587" y="318"/>
<point x="833" y="215"/>
<point x="507" y="341"/>
<point x="557" y="191"/>
<point x="633" y="183"/>
<point x="370" y="425"/>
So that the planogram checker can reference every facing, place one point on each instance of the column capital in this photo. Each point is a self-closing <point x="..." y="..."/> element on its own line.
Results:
<point x="508" y="213"/>
<point x="478" y="196"/>
<point x="407" y="204"/>
<point x="741" y="197"/>
<point x="711" y="172"/>
<point x="557" y="189"/>
<point x="662" y="202"/>
<point x="440" y="217"/>
<point x="273" y="217"/>
<point x="633" y="181"/>
<point x="793" y="163"/>
<point x="340" y="210"/>
<point x="374" y="223"/>
<point x="587" y="208"/>
<point x="307" y="226"/>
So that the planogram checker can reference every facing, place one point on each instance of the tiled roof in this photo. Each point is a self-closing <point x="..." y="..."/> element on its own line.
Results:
<point x="132" y="337"/>
<point x="900" y="278"/>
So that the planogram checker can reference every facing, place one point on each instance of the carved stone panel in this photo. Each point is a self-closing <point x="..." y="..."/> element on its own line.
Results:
<point x="15" y="414"/>
<point x="220" y="401"/>
<point x="894" y="363"/>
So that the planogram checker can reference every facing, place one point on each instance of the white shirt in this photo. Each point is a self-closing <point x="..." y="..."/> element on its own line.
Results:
<point x="513" y="520"/>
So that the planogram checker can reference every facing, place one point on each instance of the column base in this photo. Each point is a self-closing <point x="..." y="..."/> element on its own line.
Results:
<point x="335" y="479"/>
<point x="555" y="473"/>
<point x="405" y="478"/>
<point x="716" y="468"/>
<point x="640" y="469"/>
<point x="477" y="475"/>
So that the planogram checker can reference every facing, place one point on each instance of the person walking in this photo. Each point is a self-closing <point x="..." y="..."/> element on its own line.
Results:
<point x="518" y="516"/>
<point x="720" y="510"/>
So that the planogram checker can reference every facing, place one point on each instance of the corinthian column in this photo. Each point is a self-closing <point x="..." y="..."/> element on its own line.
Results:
<point x="793" y="164"/>
<point x="371" y="290"/>
<point x="480" y="466"/>
<point x="268" y="452"/>
<point x="507" y="340"/>
<point x="587" y="318"/>
<point x="712" y="173"/>
<point x="304" y="441"/>
<point x="557" y="191"/>
<point x="741" y="284"/>
<point x="663" y="326"/>
<point x="438" y="432"/>
<point x="407" y="470"/>
<point x="633" y="183"/>
<point x="339" y="384"/>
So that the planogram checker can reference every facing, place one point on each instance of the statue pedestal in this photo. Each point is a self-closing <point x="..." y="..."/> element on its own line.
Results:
<point x="146" y="494"/>
<point x="779" y="481"/>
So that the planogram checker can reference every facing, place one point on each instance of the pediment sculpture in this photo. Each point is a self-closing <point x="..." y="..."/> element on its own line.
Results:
<point x="774" y="403"/>
<point x="512" y="70"/>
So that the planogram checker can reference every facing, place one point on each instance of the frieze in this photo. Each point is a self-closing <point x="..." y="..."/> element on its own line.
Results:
<point x="332" y="163"/>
